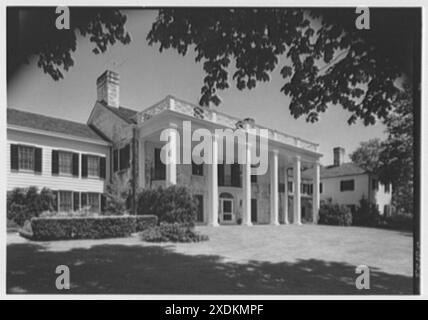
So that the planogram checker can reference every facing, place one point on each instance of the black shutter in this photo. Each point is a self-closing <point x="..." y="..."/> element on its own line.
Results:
<point x="103" y="203"/>
<point x="55" y="162"/>
<point x="55" y="203"/>
<point x="115" y="160"/>
<point x="128" y="156"/>
<point x="14" y="157"/>
<point x="84" y="165"/>
<point x="38" y="160"/>
<point x="75" y="164"/>
<point x="220" y="174"/>
<point x="83" y="199"/>
<point x="102" y="167"/>
<point x="76" y="201"/>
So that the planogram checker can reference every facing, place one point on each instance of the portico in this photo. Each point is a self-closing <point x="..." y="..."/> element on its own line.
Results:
<point x="250" y="198"/>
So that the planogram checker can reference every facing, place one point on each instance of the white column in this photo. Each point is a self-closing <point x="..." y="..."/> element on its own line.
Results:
<point x="171" y="166"/>
<point x="296" y="187"/>
<point x="246" y="203"/>
<point x="274" y="188"/>
<point x="141" y="163"/>
<point x="213" y="186"/>
<point x="316" y="192"/>
<point x="285" y="200"/>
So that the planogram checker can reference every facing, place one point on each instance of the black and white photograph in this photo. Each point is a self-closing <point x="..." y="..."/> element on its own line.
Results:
<point x="212" y="151"/>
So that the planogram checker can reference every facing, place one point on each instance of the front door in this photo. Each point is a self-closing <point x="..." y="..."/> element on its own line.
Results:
<point x="226" y="211"/>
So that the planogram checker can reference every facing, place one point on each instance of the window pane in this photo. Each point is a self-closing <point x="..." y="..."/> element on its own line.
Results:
<point x="93" y="166"/>
<point x="347" y="185"/>
<point x="65" y="162"/>
<point x="65" y="201"/>
<point x="227" y="206"/>
<point x="26" y="158"/>
<point x="94" y="202"/>
<point x="197" y="169"/>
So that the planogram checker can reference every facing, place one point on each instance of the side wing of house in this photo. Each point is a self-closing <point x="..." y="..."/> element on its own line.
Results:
<point x="345" y="190"/>
<point x="76" y="169"/>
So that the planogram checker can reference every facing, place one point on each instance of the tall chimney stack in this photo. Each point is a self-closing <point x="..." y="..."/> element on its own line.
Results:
<point x="108" y="88"/>
<point x="339" y="156"/>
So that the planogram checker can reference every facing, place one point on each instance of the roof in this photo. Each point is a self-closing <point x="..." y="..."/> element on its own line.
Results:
<point x="51" y="124"/>
<point x="345" y="169"/>
<point x="122" y="112"/>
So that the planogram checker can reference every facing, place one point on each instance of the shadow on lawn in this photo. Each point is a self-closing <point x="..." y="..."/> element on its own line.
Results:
<point x="119" y="269"/>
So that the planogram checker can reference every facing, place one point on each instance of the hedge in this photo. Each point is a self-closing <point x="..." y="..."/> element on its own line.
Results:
<point x="335" y="215"/>
<point x="97" y="227"/>
<point x="174" y="232"/>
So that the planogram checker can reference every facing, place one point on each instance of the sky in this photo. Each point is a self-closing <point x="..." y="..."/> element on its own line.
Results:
<point x="147" y="76"/>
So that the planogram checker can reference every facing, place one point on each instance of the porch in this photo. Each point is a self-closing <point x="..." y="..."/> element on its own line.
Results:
<point x="232" y="192"/>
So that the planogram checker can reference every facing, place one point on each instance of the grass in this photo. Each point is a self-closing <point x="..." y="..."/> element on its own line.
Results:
<point x="236" y="260"/>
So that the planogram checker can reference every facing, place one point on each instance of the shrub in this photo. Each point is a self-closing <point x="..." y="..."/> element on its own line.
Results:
<point x="172" y="204"/>
<point x="174" y="232"/>
<point x="23" y="204"/>
<point x="366" y="214"/>
<point x="96" y="227"/>
<point x="398" y="222"/>
<point x="12" y="226"/>
<point x="335" y="214"/>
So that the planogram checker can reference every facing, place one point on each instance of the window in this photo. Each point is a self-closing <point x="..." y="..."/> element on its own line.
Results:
<point x="65" y="162"/>
<point x="306" y="188"/>
<point x="159" y="166"/>
<point x="236" y="175"/>
<point x="290" y="186"/>
<point x="65" y="201"/>
<point x="197" y="169"/>
<point x="254" y="176"/>
<point x="115" y="160"/>
<point x="93" y="166"/>
<point x="121" y="158"/>
<point x="386" y="210"/>
<point x="94" y="201"/>
<point x="124" y="157"/>
<point x="26" y="158"/>
<point x="320" y="187"/>
<point x="200" y="211"/>
<point x="374" y="184"/>
<point x="281" y="187"/>
<point x="387" y="188"/>
<point x="347" y="185"/>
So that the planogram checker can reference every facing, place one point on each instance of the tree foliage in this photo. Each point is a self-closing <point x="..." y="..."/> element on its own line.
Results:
<point x="397" y="156"/>
<point x="37" y="35"/>
<point x="323" y="58"/>
<point x="367" y="155"/>
<point x="327" y="59"/>
<point x="393" y="159"/>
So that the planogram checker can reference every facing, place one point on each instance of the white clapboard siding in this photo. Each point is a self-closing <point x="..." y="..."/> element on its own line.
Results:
<point x="46" y="179"/>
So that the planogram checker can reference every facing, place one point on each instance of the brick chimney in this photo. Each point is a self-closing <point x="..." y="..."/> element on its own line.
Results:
<point x="108" y="88"/>
<point x="339" y="155"/>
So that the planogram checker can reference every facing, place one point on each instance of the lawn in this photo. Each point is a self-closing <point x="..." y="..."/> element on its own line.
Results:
<point x="306" y="259"/>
